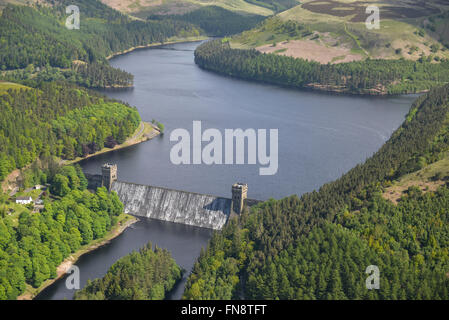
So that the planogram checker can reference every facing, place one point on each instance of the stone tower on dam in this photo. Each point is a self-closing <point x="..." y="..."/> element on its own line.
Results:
<point x="239" y="195"/>
<point x="108" y="175"/>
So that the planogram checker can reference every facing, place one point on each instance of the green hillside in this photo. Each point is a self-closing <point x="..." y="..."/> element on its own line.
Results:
<point x="408" y="29"/>
<point x="143" y="8"/>
<point x="34" y="244"/>
<point x="369" y="77"/>
<point x="36" y="45"/>
<point x="319" y="246"/>
<point x="5" y="86"/>
<point x="61" y="120"/>
<point x="215" y="21"/>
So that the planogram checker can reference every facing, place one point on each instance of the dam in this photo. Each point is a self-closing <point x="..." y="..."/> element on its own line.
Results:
<point x="189" y="208"/>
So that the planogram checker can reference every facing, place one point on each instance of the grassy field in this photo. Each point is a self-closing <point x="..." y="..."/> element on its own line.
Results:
<point x="14" y="211"/>
<point x="3" y="3"/>
<point x="427" y="179"/>
<point x="408" y="28"/>
<point x="5" y="86"/>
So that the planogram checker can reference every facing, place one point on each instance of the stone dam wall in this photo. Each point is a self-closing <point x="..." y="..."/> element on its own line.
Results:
<point x="175" y="206"/>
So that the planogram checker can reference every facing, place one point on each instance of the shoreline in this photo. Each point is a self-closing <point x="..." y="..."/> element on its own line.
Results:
<point x="311" y="88"/>
<point x="144" y="135"/>
<point x="157" y="44"/>
<point x="30" y="293"/>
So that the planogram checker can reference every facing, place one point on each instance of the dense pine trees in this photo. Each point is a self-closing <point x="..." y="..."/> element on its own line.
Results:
<point x="101" y="75"/>
<point x="362" y="77"/>
<point x="37" y="36"/>
<point x="60" y="120"/>
<point x="148" y="274"/>
<point x="215" y="21"/>
<point x="318" y="246"/>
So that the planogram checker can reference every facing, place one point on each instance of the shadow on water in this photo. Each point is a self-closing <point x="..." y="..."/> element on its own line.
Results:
<point x="105" y="91"/>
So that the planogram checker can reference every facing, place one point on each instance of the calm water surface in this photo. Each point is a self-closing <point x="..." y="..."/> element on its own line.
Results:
<point x="184" y="243"/>
<point x="320" y="138"/>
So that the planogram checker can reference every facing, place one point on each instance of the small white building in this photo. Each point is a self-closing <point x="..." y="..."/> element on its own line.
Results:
<point x="24" y="200"/>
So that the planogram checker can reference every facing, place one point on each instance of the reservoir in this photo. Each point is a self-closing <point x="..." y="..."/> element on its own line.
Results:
<point x="321" y="136"/>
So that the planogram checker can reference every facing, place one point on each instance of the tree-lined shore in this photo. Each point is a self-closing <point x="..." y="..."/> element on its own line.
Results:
<point x="368" y="77"/>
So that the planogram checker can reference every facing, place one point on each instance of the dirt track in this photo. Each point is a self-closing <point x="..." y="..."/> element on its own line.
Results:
<point x="310" y="50"/>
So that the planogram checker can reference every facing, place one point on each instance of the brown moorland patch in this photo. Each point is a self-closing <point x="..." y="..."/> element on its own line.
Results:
<point x="312" y="51"/>
<point x="357" y="10"/>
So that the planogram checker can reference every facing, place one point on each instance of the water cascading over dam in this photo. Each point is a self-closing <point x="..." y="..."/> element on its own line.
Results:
<point x="172" y="205"/>
<point x="201" y="210"/>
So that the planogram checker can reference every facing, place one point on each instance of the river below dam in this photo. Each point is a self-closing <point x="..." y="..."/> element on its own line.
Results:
<point x="321" y="136"/>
